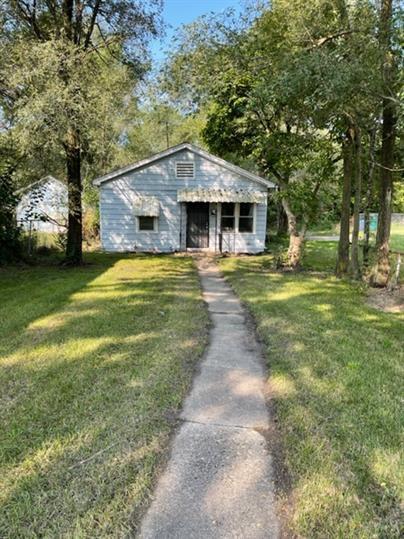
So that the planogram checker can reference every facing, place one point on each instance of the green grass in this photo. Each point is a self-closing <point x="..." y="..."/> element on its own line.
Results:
<point x="397" y="238"/>
<point x="396" y="235"/>
<point x="336" y="377"/>
<point x="94" y="363"/>
<point x="321" y="255"/>
<point x="325" y="230"/>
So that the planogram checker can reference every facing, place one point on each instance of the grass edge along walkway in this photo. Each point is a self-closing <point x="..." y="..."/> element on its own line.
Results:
<point x="94" y="363"/>
<point x="335" y="377"/>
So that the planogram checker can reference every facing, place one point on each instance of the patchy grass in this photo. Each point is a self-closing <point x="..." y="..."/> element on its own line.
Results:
<point x="321" y="255"/>
<point x="94" y="362"/>
<point x="336" y="377"/>
<point x="397" y="238"/>
<point x="331" y="229"/>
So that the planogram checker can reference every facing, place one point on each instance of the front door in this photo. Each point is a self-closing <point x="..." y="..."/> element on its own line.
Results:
<point x="198" y="225"/>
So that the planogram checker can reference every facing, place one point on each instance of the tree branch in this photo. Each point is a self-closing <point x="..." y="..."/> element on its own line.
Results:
<point x="93" y="20"/>
<point x="29" y="16"/>
<point x="387" y="168"/>
<point x="323" y="40"/>
<point x="281" y="180"/>
<point x="78" y="20"/>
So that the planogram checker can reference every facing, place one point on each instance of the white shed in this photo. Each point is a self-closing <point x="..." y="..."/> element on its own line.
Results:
<point x="43" y="206"/>
<point x="183" y="198"/>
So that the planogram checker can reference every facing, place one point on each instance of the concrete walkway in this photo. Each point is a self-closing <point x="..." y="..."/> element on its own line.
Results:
<point x="218" y="482"/>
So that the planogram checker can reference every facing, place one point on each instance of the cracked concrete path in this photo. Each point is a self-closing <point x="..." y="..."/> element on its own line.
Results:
<point x="218" y="482"/>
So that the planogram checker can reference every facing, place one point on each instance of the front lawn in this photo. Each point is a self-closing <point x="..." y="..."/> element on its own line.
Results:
<point x="336" y="377"/>
<point x="321" y="255"/>
<point x="94" y="363"/>
<point x="397" y="238"/>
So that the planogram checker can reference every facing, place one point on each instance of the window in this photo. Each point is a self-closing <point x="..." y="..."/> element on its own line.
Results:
<point x="184" y="169"/>
<point x="246" y="217"/>
<point x="228" y="216"/>
<point x="147" y="224"/>
<point x="238" y="217"/>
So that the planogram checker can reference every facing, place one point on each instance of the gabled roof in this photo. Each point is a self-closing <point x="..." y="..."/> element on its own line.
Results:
<point x="38" y="182"/>
<point x="179" y="148"/>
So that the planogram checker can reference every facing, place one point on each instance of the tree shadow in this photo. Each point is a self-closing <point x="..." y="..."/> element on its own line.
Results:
<point x="90" y="385"/>
<point x="335" y="377"/>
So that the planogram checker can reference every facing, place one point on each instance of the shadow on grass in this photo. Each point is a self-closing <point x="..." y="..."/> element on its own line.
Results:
<point x="336" y="379"/>
<point x="92" y="370"/>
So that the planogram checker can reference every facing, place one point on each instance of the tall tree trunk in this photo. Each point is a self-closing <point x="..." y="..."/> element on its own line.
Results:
<point x="74" y="249"/>
<point x="281" y="221"/>
<point x="355" y="265"/>
<point x="343" y="244"/>
<point x="74" y="253"/>
<point x="381" y="271"/>
<point x="296" y="238"/>
<point x="369" y="197"/>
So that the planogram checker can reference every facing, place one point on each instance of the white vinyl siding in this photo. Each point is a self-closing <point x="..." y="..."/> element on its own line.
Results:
<point x="119" y="230"/>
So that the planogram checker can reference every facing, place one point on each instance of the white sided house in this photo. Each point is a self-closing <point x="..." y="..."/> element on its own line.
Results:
<point x="43" y="206"/>
<point x="182" y="199"/>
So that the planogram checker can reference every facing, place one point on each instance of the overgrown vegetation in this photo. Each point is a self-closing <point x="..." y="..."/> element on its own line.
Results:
<point x="66" y="71"/>
<point x="94" y="363"/>
<point x="10" y="245"/>
<point x="335" y="376"/>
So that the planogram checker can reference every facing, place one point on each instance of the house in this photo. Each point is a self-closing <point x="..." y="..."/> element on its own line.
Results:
<point x="43" y="206"/>
<point x="181" y="199"/>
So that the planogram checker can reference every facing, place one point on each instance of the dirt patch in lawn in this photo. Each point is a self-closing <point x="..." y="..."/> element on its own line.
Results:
<point x="389" y="301"/>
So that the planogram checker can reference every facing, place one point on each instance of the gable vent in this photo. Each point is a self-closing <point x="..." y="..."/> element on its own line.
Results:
<point x="184" y="169"/>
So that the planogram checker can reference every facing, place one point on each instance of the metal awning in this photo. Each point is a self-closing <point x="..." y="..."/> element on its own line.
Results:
<point x="146" y="207"/>
<point x="221" y="195"/>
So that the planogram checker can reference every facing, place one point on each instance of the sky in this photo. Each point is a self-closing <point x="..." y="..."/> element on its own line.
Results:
<point x="178" y="12"/>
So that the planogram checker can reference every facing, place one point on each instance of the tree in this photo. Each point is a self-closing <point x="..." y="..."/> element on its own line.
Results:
<point x="9" y="232"/>
<point x="282" y="90"/>
<point x="156" y="124"/>
<point x="357" y="175"/>
<point x="369" y="194"/>
<point x="381" y="272"/>
<point x="53" y="79"/>
<point x="342" y="266"/>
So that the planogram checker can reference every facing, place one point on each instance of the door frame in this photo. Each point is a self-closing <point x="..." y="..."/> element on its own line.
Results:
<point x="188" y="207"/>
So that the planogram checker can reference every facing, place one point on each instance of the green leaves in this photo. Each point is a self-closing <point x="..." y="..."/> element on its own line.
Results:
<point x="9" y="232"/>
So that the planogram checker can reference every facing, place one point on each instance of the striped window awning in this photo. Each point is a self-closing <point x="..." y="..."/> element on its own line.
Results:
<point x="146" y="207"/>
<point x="221" y="195"/>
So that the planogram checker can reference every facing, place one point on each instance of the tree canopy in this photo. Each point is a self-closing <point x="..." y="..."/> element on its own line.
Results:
<point x="306" y="93"/>
<point x="66" y="70"/>
<point x="294" y="89"/>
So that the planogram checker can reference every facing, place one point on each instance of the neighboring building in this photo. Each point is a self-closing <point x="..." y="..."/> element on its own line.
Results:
<point x="43" y="206"/>
<point x="396" y="219"/>
<point x="183" y="198"/>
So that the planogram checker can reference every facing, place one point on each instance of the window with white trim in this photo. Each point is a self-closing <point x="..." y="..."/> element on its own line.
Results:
<point x="246" y="217"/>
<point x="146" y="223"/>
<point x="237" y="217"/>
<point x="228" y="220"/>
<point x="184" y="169"/>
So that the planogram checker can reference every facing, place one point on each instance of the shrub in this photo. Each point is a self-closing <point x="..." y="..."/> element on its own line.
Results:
<point x="10" y="244"/>
<point x="90" y="227"/>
